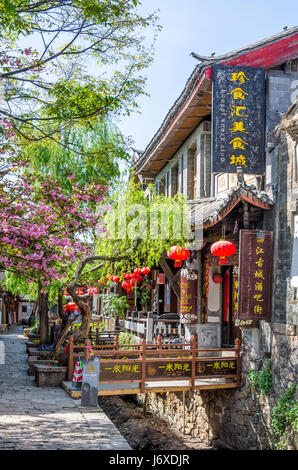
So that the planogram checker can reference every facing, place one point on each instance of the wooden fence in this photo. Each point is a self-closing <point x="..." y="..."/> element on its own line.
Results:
<point x="123" y="363"/>
<point x="148" y="328"/>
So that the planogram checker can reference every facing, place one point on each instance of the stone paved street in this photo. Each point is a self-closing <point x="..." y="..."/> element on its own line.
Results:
<point x="43" y="417"/>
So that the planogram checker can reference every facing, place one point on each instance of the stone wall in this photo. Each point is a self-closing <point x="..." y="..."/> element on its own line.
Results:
<point x="236" y="418"/>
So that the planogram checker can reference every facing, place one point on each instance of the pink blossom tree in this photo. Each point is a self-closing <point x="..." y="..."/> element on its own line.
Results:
<point x="44" y="232"/>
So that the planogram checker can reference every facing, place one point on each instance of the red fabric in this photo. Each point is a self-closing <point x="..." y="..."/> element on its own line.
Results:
<point x="226" y="295"/>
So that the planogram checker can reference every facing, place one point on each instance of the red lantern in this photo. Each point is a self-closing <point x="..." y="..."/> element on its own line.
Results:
<point x="127" y="286"/>
<point x="217" y="278"/>
<point x="80" y="291"/>
<point x="139" y="279"/>
<point x="92" y="290"/>
<point x="70" y="307"/>
<point x="133" y="282"/>
<point x="178" y="254"/>
<point x="116" y="278"/>
<point x="127" y="276"/>
<point x="223" y="249"/>
<point x="145" y="270"/>
<point x="137" y="271"/>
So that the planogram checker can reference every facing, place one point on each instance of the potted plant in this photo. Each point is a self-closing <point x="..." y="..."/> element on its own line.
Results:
<point x="51" y="374"/>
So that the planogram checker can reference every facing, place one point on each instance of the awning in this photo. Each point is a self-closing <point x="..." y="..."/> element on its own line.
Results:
<point x="209" y="211"/>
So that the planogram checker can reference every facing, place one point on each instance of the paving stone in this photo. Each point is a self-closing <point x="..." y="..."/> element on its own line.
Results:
<point x="46" y="418"/>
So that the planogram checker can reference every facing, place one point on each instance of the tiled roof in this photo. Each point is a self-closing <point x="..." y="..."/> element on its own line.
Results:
<point x="209" y="211"/>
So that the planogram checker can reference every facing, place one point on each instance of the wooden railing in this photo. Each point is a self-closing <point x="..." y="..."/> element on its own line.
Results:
<point x="122" y="363"/>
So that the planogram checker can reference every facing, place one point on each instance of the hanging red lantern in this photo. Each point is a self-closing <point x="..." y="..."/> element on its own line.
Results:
<point x="139" y="279"/>
<point x="80" y="291"/>
<point x="223" y="249"/>
<point x="178" y="254"/>
<point x="71" y="307"/>
<point x="133" y="282"/>
<point x="127" y="276"/>
<point x="92" y="290"/>
<point x="217" y="278"/>
<point x="137" y="271"/>
<point x="116" y="278"/>
<point x="127" y="286"/>
<point x="145" y="270"/>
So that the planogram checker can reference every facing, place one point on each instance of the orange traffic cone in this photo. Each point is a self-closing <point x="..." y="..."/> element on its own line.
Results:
<point x="78" y="375"/>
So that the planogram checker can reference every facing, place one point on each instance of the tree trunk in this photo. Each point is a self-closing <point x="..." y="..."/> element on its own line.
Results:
<point x="86" y="313"/>
<point x="63" y="315"/>
<point x="63" y="335"/>
<point x="43" y="318"/>
<point x="83" y="331"/>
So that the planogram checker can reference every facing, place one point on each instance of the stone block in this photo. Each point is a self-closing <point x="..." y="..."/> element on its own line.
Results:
<point x="32" y="360"/>
<point x="47" y="376"/>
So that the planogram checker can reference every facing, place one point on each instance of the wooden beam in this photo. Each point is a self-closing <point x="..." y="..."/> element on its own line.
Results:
<point x="170" y="275"/>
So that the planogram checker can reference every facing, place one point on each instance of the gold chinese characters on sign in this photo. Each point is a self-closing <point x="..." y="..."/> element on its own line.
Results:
<point x="255" y="283"/>
<point x="238" y="119"/>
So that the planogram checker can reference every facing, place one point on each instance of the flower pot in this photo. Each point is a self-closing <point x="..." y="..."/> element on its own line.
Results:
<point x="32" y="360"/>
<point x="36" y="352"/>
<point x="49" y="376"/>
<point x="33" y="336"/>
<point x="26" y="331"/>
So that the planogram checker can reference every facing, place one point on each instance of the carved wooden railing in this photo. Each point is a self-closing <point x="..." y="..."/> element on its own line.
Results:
<point x="141" y="363"/>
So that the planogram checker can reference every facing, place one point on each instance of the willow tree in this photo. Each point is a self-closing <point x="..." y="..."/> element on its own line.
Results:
<point x="141" y="225"/>
<point x="65" y="63"/>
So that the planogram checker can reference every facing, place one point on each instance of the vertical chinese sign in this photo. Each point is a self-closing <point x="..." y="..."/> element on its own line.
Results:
<point x="188" y="296"/>
<point x="238" y="119"/>
<point x="255" y="277"/>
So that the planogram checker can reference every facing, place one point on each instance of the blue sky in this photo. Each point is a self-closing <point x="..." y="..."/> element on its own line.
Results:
<point x="203" y="27"/>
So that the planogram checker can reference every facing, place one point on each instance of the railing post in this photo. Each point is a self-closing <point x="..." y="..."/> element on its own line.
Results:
<point x="87" y="350"/>
<point x="159" y="343"/>
<point x="237" y="355"/>
<point x="149" y="328"/>
<point x="70" y="359"/>
<point x="116" y="346"/>
<point x="193" y="342"/>
<point x="143" y="356"/>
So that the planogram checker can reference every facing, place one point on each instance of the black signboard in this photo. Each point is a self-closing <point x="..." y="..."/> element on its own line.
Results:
<point x="238" y="119"/>
<point x="120" y="371"/>
<point x="255" y="286"/>
<point x="224" y="366"/>
<point x="166" y="369"/>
